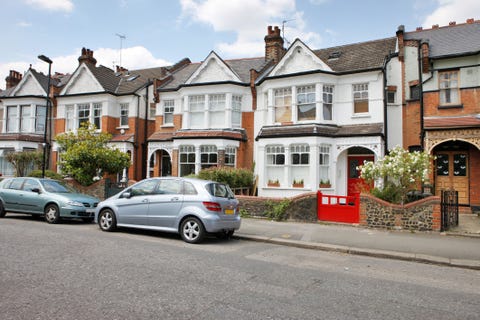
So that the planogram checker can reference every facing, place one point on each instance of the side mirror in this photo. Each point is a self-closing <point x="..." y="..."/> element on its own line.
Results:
<point x="126" y="195"/>
<point x="36" y="190"/>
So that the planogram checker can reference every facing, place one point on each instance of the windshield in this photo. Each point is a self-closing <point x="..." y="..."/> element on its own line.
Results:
<point x="56" y="186"/>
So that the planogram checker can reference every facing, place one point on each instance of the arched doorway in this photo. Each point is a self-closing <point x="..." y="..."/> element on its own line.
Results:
<point x="356" y="157"/>
<point x="160" y="164"/>
<point x="452" y="169"/>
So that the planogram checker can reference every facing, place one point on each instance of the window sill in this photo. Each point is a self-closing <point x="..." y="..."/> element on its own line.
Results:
<point x="168" y="125"/>
<point x="451" y="106"/>
<point x="361" y="115"/>
<point x="123" y="127"/>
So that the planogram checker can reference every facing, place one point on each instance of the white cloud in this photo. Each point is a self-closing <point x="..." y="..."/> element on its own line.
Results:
<point x="24" y="24"/>
<point x="249" y="20"/>
<point x="453" y="10"/>
<point x="52" y="5"/>
<point x="132" y="58"/>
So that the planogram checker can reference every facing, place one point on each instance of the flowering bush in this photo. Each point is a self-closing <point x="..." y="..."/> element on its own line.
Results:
<point x="399" y="172"/>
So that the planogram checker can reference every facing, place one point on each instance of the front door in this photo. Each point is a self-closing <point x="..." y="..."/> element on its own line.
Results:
<point x="355" y="183"/>
<point x="451" y="172"/>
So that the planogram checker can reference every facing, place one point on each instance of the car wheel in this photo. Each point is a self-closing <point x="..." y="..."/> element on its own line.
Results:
<point x="107" y="220"/>
<point x="192" y="230"/>
<point x="2" y="210"/>
<point x="52" y="214"/>
<point x="87" y="220"/>
<point x="225" y="234"/>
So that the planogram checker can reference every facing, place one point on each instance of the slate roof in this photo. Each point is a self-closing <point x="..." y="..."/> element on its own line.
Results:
<point x="452" y="40"/>
<point x="241" y="67"/>
<point x="358" y="56"/>
<point x="315" y="129"/>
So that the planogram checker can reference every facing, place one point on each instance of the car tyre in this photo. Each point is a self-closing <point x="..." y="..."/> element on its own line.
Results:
<point x="52" y="214"/>
<point x="2" y="210"/>
<point x="192" y="230"/>
<point x="107" y="220"/>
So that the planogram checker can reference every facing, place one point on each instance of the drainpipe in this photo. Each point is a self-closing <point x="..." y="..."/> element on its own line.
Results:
<point x="135" y="141"/>
<point x="420" y="84"/>
<point x="385" y="104"/>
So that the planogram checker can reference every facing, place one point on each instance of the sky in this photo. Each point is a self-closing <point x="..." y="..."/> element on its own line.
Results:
<point x="150" y="33"/>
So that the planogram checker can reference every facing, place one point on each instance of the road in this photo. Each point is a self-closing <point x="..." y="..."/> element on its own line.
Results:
<point x="75" y="271"/>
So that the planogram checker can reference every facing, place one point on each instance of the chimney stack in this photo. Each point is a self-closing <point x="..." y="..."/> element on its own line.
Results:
<point x="13" y="79"/>
<point x="87" y="57"/>
<point x="274" y="44"/>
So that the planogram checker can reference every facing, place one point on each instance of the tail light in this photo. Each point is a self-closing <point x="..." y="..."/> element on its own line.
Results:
<point x="212" y="206"/>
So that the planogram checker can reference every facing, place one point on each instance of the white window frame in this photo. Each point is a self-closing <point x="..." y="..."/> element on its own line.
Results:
<point x="448" y="83"/>
<point x="196" y="108"/>
<point x="40" y="117"/>
<point x="211" y="153"/>
<point x="70" y="117"/>
<point x="230" y="156"/>
<point x="186" y="157"/>
<point x="124" y="112"/>
<point x="324" y="162"/>
<point x="282" y="101"/>
<point x="236" y="111"/>
<point x="168" y="110"/>
<point x="216" y="108"/>
<point x="12" y="119"/>
<point x="299" y="154"/>
<point x="327" y="107"/>
<point x="306" y="97"/>
<point x="360" y="97"/>
<point x="275" y="155"/>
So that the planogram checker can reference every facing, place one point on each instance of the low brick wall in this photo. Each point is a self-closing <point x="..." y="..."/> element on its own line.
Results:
<point x="422" y="215"/>
<point x="302" y="207"/>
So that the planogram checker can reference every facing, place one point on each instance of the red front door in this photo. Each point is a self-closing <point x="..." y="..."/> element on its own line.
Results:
<point x="354" y="182"/>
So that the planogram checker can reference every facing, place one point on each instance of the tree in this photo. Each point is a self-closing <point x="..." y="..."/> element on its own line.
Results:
<point x="24" y="161"/>
<point x="400" y="172"/>
<point x="86" y="154"/>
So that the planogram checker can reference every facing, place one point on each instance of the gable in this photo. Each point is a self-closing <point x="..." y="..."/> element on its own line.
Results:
<point x="83" y="81"/>
<point x="213" y="69"/>
<point x="29" y="86"/>
<point x="299" y="58"/>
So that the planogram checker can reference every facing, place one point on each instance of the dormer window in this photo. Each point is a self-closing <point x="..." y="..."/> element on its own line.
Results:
<point x="334" y="55"/>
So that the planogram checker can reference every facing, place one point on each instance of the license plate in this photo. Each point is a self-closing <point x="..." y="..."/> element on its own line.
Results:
<point x="90" y="210"/>
<point x="229" y="211"/>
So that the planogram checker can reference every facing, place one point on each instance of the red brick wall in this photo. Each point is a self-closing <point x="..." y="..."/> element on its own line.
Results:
<point x="474" y="176"/>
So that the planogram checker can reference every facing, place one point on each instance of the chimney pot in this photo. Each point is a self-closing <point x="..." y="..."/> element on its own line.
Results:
<point x="471" y="20"/>
<point x="419" y="28"/>
<point x="452" y="23"/>
<point x="435" y="26"/>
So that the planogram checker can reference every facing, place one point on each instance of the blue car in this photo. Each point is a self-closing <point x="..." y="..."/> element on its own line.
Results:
<point x="190" y="207"/>
<point x="47" y="197"/>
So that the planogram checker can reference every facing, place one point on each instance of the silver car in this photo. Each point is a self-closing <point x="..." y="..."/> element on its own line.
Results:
<point x="190" y="207"/>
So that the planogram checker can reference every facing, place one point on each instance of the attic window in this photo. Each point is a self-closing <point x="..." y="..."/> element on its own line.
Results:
<point x="133" y="78"/>
<point x="334" y="55"/>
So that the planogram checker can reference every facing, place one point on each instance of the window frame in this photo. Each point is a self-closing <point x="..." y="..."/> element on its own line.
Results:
<point x="327" y="100"/>
<point x="304" y="97"/>
<point x="124" y="114"/>
<point x="281" y="103"/>
<point x="275" y="155"/>
<point x="300" y="154"/>
<point x="167" y="111"/>
<point x="449" y="91"/>
<point x="188" y="153"/>
<point x="360" y="98"/>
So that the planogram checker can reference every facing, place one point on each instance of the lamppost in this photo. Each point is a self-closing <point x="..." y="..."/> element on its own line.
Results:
<point x="45" y="143"/>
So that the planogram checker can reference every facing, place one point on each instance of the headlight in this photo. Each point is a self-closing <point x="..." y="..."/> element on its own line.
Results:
<point x="75" y="203"/>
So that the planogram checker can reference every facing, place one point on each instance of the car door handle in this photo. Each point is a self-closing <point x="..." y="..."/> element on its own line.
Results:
<point x="174" y="199"/>
<point x="145" y="200"/>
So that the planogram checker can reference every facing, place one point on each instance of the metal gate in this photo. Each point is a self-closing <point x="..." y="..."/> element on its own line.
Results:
<point x="449" y="209"/>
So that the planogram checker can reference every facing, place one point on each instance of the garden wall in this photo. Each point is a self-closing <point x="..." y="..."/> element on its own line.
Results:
<point x="421" y="215"/>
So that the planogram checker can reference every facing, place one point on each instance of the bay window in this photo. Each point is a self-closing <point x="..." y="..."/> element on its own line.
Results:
<point x="306" y="109"/>
<point x="196" y="107"/>
<point x="216" y="108"/>
<point x="208" y="156"/>
<point x="187" y="160"/>
<point x="327" y="102"/>
<point x="283" y="104"/>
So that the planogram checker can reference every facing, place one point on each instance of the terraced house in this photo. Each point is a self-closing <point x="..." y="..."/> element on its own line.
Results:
<point x="23" y="113"/>
<point x="441" y="97"/>
<point x="303" y="118"/>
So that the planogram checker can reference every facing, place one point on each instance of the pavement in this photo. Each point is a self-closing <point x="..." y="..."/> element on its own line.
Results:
<point x="459" y="247"/>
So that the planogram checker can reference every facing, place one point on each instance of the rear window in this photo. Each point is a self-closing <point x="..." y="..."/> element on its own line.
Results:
<point x="219" y="190"/>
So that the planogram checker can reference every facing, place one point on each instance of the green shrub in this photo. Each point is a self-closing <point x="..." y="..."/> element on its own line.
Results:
<point x="48" y="174"/>
<point x="277" y="210"/>
<point x="235" y="178"/>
